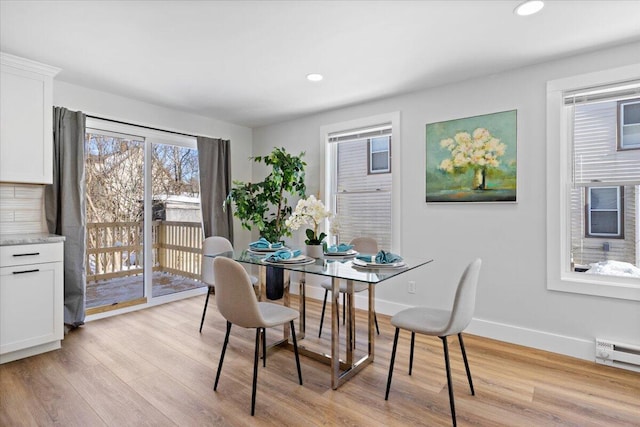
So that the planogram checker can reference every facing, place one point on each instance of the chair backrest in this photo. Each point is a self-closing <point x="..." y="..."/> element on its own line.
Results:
<point x="464" y="302"/>
<point x="365" y="245"/>
<point x="235" y="297"/>
<point x="212" y="245"/>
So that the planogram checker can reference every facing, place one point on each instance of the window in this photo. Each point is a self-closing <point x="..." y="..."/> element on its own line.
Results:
<point x="593" y="186"/>
<point x="379" y="154"/>
<point x="359" y="185"/>
<point x="629" y="124"/>
<point x="604" y="212"/>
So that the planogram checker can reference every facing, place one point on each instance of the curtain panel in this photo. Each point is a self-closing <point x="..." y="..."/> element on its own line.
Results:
<point x="65" y="207"/>
<point x="214" y="160"/>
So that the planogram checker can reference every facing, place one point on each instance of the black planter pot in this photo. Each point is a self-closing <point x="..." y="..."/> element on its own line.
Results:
<point x="275" y="283"/>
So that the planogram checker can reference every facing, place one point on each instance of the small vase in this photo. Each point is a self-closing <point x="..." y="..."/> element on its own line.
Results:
<point x="314" y="251"/>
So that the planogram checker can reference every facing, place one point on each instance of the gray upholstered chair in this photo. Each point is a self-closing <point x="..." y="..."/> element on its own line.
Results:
<point x="441" y="323"/>
<point x="238" y="304"/>
<point x="364" y="245"/>
<point x="213" y="245"/>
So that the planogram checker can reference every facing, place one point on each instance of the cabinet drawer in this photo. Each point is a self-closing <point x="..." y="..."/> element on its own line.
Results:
<point x="30" y="254"/>
<point x="31" y="306"/>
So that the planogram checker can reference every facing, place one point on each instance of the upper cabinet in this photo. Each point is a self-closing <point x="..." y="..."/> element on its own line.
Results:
<point x="26" y="120"/>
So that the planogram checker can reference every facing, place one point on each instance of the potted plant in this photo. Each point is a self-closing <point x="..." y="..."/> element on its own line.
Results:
<point x="311" y="212"/>
<point x="265" y="205"/>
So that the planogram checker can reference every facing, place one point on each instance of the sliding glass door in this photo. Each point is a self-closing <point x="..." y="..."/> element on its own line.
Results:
<point x="114" y="176"/>
<point x="144" y="232"/>
<point x="177" y="219"/>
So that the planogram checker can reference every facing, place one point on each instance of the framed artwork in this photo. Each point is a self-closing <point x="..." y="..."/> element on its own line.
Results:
<point x="472" y="159"/>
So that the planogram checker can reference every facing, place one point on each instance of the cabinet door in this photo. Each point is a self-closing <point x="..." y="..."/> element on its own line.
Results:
<point x="31" y="305"/>
<point x="25" y="126"/>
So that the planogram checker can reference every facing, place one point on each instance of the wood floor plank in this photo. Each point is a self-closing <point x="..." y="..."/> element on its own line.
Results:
<point x="43" y="384"/>
<point x="153" y="367"/>
<point x="114" y="401"/>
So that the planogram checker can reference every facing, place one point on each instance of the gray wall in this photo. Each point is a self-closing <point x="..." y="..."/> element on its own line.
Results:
<point x="513" y="302"/>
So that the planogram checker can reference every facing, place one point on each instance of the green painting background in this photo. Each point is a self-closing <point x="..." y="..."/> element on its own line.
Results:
<point x="501" y="182"/>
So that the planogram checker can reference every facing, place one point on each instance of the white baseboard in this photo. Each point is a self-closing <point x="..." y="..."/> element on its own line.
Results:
<point x="561" y="344"/>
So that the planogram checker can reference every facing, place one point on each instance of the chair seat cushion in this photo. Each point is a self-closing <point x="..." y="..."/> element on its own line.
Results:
<point x="276" y="314"/>
<point x="357" y="286"/>
<point x="422" y="320"/>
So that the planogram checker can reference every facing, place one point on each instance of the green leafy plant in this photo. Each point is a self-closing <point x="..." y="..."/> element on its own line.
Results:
<point x="265" y="204"/>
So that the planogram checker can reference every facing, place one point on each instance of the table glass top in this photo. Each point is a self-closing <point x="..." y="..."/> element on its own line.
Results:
<point x="342" y="268"/>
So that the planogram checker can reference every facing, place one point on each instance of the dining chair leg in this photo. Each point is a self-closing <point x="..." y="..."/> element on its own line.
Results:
<point x="295" y="350"/>
<point x="466" y="364"/>
<point x="324" y="306"/>
<point x="255" y="371"/>
<point x="224" y="349"/>
<point x="449" y="382"/>
<point x="413" y="341"/>
<point x="393" y="359"/>
<point x="204" y="312"/>
<point x="375" y="319"/>
<point x="264" y="347"/>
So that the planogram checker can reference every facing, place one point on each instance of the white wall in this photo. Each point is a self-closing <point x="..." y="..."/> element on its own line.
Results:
<point x="513" y="303"/>
<point x="115" y="107"/>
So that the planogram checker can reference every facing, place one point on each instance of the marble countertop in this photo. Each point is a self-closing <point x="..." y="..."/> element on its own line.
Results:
<point x="29" y="239"/>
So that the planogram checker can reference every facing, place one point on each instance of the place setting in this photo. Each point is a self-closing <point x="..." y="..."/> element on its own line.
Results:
<point x="287" y="256"/>
<point x="263" y="247"/>
<point x="340" y="251"/>
<point x="381" y="260"/>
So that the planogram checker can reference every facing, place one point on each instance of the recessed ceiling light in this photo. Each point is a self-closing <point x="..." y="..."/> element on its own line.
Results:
<point x="314" y="77"/>
<point x="529" y="7"/>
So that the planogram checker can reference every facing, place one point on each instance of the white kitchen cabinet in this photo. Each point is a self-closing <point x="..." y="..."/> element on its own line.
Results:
<point x="26" y="120"/>
<point x="31" y="299"/>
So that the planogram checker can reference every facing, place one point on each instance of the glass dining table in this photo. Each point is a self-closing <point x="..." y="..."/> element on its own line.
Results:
<point x="336" y="269"/>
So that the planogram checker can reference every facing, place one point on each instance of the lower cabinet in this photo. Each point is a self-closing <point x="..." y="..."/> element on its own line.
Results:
<point x="31" y="299"/>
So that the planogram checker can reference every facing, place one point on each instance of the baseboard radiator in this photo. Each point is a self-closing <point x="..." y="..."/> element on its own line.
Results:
<point x="626" y="356"/>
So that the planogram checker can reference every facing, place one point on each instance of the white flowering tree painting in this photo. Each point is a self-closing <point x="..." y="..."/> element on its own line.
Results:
<point x="472" y="159"/>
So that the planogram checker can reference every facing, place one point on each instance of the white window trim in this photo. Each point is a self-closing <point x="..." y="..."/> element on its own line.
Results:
<point x="622" y="125"/>
<point x="559" y="275"/>
<point x="617" y="210"/>
<point x="372" y="152"/>
<point x="396" y="187"/>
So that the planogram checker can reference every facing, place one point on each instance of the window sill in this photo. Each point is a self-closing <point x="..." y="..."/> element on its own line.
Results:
<point x="602" y="286"/>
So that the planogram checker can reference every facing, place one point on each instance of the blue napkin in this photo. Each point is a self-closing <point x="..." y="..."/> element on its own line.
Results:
<point x="264" y="244"/>
<point x="342" y="247"/>
<point x="381" y="257"/>
<point x="282" y="254"/>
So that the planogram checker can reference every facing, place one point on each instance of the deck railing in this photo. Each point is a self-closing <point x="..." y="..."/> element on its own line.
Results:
<point x="115" y="249"/>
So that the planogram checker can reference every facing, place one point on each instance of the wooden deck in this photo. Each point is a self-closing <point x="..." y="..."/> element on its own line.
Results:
<point x="120" y="289"/>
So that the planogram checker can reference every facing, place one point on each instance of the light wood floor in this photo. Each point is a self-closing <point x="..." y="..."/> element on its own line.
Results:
<point x="152" y="367"/>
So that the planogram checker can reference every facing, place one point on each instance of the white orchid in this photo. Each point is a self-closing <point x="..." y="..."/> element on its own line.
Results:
<point x="310" y="211"/>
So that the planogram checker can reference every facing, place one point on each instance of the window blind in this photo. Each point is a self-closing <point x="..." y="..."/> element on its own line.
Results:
<point x="596" y="159"/>
<point x="618" y="91"/>
<point x="383" y="129"/>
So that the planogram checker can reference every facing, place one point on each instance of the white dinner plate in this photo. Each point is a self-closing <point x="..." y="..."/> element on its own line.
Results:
<point x="266" y="250"/>
<point x="300" y="259"/>
<point x="360" y="263"/>
<point x="349" y="253"/>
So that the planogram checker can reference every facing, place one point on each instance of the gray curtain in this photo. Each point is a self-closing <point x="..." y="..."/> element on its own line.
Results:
<point x="65" y="207"/>
<point x="214" y="160"/>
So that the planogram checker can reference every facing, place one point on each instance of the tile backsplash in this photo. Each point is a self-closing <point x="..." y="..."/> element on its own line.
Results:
<point x="21" y="209"/>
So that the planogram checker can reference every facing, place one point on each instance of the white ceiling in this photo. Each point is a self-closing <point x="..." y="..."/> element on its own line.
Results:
<point x="245" y="62"/>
